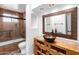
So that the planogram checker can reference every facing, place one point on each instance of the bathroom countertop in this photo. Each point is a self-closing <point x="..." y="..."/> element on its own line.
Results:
<point x="11" y="41"/>
<point x="64" y="42"/>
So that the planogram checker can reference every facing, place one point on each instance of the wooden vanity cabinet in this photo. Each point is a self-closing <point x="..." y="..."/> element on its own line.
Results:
<point x="39" y="47"/>
<point x="42" y="47"/>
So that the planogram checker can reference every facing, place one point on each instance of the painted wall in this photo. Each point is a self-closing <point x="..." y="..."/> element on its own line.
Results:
<point x="31" y="30"/>
<point x="29" y="40"/>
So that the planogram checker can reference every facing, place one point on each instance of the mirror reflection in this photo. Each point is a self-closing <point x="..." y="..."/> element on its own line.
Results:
<point x="58" y="24"/>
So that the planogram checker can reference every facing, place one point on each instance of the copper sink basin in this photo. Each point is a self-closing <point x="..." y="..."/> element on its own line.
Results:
<point x="49" y="38"/>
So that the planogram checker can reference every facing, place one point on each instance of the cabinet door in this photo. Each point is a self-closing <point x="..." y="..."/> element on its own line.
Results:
<point x="70" y="52"/>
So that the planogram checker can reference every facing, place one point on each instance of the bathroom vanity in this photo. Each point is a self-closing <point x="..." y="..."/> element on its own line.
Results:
<point x="62" y="24"/>
<point x="58" y="47"/>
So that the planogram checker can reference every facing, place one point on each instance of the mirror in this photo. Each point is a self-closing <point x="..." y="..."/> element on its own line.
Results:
<point x="62" y="23"/>
<point x="58" y="24"/>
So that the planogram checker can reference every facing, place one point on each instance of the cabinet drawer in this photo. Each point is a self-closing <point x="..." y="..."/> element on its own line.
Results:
<point x="59" y="49"/>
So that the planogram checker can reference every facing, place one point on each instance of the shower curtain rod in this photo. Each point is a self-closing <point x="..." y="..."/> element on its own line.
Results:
<point x="12" y="17"/>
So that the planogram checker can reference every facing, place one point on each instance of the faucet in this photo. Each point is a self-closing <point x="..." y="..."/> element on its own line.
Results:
<point x="55" y="30"/>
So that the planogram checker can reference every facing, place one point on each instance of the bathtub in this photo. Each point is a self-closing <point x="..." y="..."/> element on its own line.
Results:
<point x="11" y="41"/>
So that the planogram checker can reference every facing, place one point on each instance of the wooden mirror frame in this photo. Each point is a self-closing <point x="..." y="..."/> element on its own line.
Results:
<point x="73" y="12"/>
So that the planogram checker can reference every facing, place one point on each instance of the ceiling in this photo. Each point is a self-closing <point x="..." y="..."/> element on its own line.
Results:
<point x="43" y="7"/>
<point x="14" y="7"/>
<point x="46" y="7"/>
